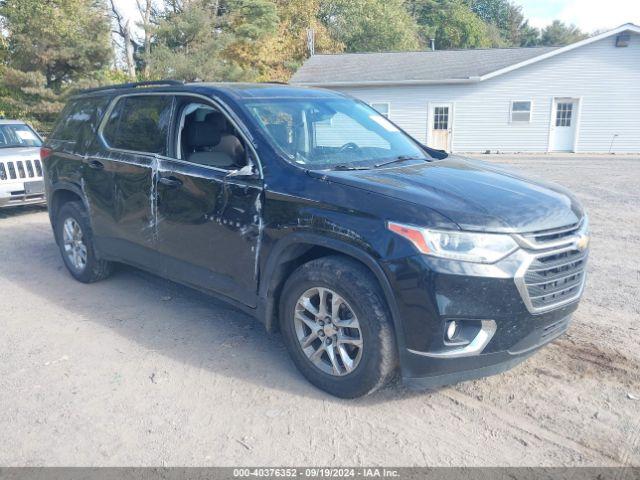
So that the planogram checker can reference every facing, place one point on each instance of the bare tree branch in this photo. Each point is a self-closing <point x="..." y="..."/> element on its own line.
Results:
<point x="124" y="31"/>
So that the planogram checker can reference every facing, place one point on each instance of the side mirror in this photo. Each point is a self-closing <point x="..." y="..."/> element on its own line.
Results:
<point x="435" y="153"/>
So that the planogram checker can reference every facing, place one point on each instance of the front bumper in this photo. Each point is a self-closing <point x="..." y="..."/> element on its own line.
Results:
<point x="432" y="292"/>
<point x="12" y="193"/>
<point x="427" y="372"/>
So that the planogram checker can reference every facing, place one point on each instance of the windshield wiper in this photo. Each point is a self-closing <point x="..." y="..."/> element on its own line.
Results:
<point x="399" y="158"/>
<point x="349" y="167"/>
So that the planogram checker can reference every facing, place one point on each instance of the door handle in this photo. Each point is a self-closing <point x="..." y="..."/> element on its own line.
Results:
<point x="95" y="164"/>
<point x="171" y="182"/>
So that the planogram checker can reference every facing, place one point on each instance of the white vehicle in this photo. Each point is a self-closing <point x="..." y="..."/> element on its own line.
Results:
<point x="20" y="167"/>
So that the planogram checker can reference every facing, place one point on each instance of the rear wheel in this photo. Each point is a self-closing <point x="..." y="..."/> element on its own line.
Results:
<point x="75" y="240"/>
<point x="337" y="327"/>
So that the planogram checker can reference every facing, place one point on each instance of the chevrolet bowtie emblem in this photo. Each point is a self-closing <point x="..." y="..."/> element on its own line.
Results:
<point x="582" y="243"/>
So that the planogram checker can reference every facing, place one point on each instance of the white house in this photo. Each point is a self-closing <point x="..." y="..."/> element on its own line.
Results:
<point x="584" y="97"/>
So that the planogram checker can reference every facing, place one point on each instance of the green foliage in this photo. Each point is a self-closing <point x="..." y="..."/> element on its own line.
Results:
<point x="49" y="48"/>
<point x="559" y="33"/>
<point x="370" y="25"/>
<point x="451" y="23"/>
<point x="496" y="12"/>
<point x="72" y="38"/>
<point x="283" y="52"/>
<point x="196" y="39"/>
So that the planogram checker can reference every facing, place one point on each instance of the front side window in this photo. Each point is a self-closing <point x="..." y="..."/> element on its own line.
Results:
<point x="206" y="137"/>
<point x="521" y="111"/>
<point x="329" y="133"/>
<point x="18" y="135"/>
<point x="140" y="124"/>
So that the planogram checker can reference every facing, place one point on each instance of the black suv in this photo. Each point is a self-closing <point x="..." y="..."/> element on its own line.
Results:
<point x="310" y="211"/>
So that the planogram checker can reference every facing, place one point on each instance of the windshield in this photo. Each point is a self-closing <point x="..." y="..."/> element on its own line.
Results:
<point x="18" y="135"/>
<point x="333" y="133"/>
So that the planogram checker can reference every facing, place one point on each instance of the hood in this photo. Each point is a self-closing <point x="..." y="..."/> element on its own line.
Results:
<point x="475" y="195"/>
<point x="20" y="153"/>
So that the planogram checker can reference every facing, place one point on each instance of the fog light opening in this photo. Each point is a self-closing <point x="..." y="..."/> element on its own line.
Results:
<point x="452" y="330"/>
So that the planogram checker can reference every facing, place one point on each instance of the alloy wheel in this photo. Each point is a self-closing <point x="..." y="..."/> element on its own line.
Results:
<point x="74" y="246"/>
<point x="328" y="331"/>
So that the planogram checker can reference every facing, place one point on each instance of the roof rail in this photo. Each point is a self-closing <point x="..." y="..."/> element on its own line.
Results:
<point x="150" y="83"/>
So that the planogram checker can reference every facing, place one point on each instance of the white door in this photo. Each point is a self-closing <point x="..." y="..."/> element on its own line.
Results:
<point x="563" y="124"/>
<point x="440" y="126"/>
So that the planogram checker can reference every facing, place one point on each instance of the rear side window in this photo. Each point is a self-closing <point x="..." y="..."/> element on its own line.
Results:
<point x="79" y="120"/>
<point x="140" y="124"/>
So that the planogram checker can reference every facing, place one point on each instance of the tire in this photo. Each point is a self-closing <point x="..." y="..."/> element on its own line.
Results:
<point x="358" y="296"/>
<point x="92" y="269"/>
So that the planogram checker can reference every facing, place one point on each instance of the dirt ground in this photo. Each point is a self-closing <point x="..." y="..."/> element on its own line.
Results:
<point x="139" y="371"/>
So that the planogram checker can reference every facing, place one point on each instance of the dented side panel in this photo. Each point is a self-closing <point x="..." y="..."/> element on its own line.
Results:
<point x="210" y="228"/>
<point x="120" y="195"/>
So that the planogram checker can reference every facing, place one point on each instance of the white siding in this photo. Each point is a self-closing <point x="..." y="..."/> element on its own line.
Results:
<point x="605" y="78"/>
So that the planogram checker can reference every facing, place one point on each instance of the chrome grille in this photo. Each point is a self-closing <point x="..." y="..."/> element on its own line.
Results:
<point x="552" y="235"/>
<point x="20" y="169"/>
<point x="21" y="172"/>
<point x="552" y="238"/>
<point x="555" y="278"/>
<point x="553" y="272"/>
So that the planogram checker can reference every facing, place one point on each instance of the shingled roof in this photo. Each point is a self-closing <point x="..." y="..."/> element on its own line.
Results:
<point x="440" y="66"/>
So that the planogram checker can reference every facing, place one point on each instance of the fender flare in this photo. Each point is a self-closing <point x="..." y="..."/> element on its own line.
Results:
<point x="61" y="187"/>
<point x="277" y="257"/>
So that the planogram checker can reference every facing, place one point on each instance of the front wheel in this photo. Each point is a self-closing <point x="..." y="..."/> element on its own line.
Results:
<point x="337" y="327"/>
<point x="75" y="239"/>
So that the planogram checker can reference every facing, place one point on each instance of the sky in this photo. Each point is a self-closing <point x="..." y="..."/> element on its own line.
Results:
<point x="588" y="15"/>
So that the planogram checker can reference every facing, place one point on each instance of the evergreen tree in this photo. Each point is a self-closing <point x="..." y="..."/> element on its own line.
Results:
<point x="209" y="40"/>
<point x="64" y="40"/>
<point x="50" y="48"/>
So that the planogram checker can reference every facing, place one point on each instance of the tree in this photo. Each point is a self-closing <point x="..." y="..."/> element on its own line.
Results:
<point x="186" y="44"/>
<point x="72" y="38"/>
<point x="495" y="12"/>
<point x="508" y="19"/>
<point x="123" y="30"/>
<point x="49" y="49"/>
<point x="518" y="32"/>
<point x="558" y="33"/>
<point x="209" y="39"/>
<point x="250" y="23"/>
<point x="284" y="51"/>
<point x="451" y="23"/>
<point x="147" y="11"/>
<point x="370" y="25"/>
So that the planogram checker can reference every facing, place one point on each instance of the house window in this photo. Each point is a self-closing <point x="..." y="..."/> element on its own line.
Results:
<point x="520" y="111"/>
<point x="441" y="118"/>
<point x="381" y="108"/>
<point x="564" y="112"/>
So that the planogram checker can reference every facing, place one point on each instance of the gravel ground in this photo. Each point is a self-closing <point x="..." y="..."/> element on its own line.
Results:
<point x="139" y="371"/>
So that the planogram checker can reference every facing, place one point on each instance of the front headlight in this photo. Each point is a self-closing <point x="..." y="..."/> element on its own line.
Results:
<point x="456" y="245"/>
